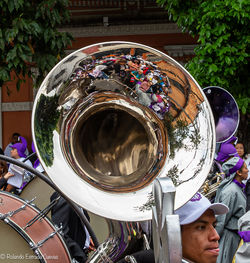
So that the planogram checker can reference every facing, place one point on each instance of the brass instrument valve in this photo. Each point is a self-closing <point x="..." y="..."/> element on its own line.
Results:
<point x="206" y="187"/>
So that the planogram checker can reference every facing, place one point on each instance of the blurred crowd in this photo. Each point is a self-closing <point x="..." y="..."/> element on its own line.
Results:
<point x="140" y="78"/>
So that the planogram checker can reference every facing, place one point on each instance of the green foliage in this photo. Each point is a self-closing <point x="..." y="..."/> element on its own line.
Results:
<point x="29" y="37"/>
<point x="222" y="55"/>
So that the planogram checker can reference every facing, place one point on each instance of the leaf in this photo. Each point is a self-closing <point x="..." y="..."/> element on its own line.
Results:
<point x="17" y="4"/>
<point x="11" y="54"/>
<point x="52" y="44"/>
<point x="46" y="35"/>
<point x="244" y="110"/>
<point x="18" y="84"/>
<point x="2" y="45"/>
<point x="20" y="37"/>
<point x="212" y="68"/>
<point x="16" y="61"/>
<point x="10" y="5"/>
<point x="228" y="60"/>
<point x="4" y="74"/>
<point x="221" y="28"/>
<point x="231" y="71"/>
<point x="36" y="28"/>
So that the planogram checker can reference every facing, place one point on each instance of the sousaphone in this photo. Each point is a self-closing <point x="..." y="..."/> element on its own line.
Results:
<point x="100" y="139"/>
<point x="226" y="116"/>
<point x="225" y="111"/>
<point x="111" y="117"/>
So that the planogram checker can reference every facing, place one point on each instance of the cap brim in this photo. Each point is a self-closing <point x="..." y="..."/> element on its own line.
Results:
<point x="218" y="209"/>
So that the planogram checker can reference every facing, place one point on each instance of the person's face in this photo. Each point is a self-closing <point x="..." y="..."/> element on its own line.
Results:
<point x="14" y="153"/>
<point x="15" y="139"/>
<point x="243" y="172"/>
<point x="200" y="239"/>
<point x="240" y="149"/>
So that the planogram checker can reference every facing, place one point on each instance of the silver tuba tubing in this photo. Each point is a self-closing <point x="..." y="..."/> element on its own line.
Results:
<point x="111" y="117"/>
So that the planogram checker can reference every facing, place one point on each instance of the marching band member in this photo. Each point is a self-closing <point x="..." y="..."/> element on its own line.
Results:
<point x="75" y="233"/>
<point x="231" y="193"/>
<point x="18" y="153"/>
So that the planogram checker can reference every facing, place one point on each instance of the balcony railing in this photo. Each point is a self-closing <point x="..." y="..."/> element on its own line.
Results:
<point x="121" y="4"/>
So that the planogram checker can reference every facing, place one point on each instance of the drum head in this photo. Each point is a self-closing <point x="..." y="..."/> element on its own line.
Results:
<point x="39" y="189"/>
<point x="13" y="247"/>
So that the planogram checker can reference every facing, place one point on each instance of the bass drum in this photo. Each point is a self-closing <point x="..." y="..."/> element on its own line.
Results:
<point x="42" y="191"/>
<point x="20" y="222"/>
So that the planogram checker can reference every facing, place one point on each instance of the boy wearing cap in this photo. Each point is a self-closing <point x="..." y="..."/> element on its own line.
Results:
<point x="16" y="138"/>
<point x="18" y="153"/>
<point x="199" y="237"/>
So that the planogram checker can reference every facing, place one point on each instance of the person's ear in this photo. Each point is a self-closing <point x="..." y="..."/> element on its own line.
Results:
<point x="239" y="173"/>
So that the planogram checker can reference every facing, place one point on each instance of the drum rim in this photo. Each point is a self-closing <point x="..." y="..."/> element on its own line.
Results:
<point x="22" y="232"/>
<point x="26" y="237"/>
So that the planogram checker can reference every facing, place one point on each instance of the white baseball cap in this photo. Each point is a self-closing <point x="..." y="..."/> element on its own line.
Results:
<point x="195" y="207"/>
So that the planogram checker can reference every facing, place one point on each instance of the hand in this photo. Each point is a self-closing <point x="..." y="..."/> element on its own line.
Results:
<point x="8" y="175"/>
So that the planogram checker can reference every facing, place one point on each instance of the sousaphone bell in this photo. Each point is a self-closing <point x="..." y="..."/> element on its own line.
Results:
<point x="111" y="117"/>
